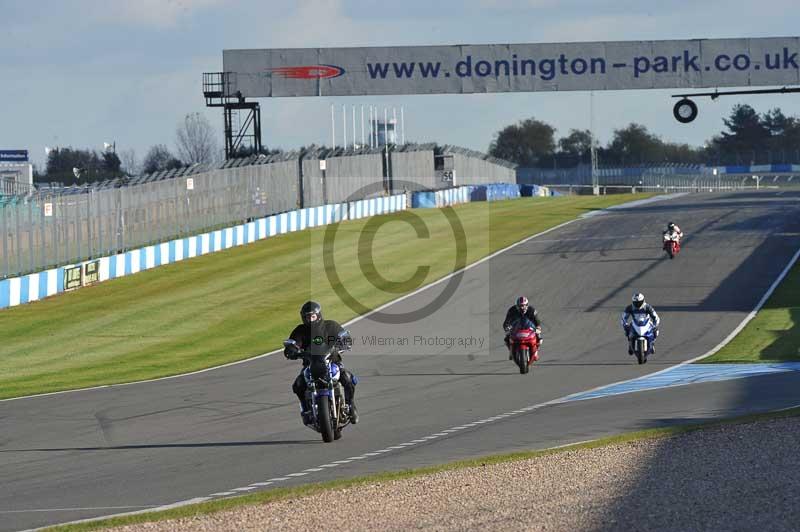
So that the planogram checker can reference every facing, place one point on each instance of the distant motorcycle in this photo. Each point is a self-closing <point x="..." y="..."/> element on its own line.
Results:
<point x="641" y="337"/>
<point x="524" y="344"/>
<point x="324" y="391"/>
<point x="672" y="245"/>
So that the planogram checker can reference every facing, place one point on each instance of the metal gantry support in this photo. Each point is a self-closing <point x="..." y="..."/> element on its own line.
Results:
<point x="241" y="136"/>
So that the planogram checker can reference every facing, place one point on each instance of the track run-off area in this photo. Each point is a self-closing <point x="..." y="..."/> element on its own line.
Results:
<point x="436" y="389"/>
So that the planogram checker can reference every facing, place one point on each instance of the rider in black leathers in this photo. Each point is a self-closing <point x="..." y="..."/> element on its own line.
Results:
<point x="331" y="332"/>
<point x="520" y="309"/>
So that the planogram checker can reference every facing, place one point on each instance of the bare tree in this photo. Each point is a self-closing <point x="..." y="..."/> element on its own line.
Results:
<point x="130" y="165"/>
<point x="195" y="140"/>
<point x="159" y="158"/>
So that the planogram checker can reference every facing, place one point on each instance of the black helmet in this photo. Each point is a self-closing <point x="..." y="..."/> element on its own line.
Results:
<point x="670" y="226"/>
<point x="311" y="312"/>
<point x="638" y="300"/>
<point x="522" y="304"/>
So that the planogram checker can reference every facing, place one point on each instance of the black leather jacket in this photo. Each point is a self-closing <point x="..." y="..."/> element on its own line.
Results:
<point x="327" y="332"/>
<point x="514" y="314"/>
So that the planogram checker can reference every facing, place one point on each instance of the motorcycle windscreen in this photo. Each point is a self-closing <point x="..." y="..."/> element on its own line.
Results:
<point x="319" y="349"/>
<point x="523" y="323"/>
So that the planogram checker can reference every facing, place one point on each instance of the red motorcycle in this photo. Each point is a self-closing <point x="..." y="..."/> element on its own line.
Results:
<point x="672" y="245"/>
<point x="524" y="344"/>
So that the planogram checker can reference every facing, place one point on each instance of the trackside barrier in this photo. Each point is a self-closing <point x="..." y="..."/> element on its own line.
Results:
<point x="28" y="288"/>
<point x="453" y="196"/>
<point x="466" y="194"/>
<point x="500" y="191"/>
<point x="537" y="190"/>
<point x="441" y="198"/>
<point x="423" y="200"/>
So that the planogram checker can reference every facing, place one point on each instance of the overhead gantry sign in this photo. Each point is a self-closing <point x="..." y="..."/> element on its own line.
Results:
<point x="490" y="68"/>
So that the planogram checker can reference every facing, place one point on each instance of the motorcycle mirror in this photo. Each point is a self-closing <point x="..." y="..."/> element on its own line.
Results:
<point x="289" y="342"/>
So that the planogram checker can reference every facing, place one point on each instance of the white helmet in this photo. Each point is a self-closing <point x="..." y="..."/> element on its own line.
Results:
<point x="638" y="300"/>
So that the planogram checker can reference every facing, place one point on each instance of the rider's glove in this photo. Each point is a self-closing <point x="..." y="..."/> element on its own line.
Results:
<point x="507" y="328"/>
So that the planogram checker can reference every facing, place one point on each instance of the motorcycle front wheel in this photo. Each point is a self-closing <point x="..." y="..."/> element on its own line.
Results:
<point x="640" y="356"/>
<point x="324" y="418"/>
<point x="522" y="360"/>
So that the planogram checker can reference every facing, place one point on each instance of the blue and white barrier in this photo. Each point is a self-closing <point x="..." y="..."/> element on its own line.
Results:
<point x="466" y="194"/>
<point x="453" y="196"/>
<point x="441" y="198"/>
<point x="755" y="169"/>
<point x="537" y="190"/>
<point x="29" y="288"/>
<point x="499" y="191"/>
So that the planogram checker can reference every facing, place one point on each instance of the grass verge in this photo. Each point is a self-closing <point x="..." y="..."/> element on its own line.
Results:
<point x="774" y="334"/>
<point x="242" y="302"/>
<point x="311" y="489"/>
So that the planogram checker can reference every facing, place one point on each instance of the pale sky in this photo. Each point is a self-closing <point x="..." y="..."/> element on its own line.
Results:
<point x="82" y="72"/>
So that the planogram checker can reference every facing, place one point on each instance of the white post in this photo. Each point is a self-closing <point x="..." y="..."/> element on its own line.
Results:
<point x="363" y="143"/>
<point x="592" y="150"/>
<point x="403" y="124"/>
<point x="344" y="126"/>
<point x="333" y="129"/>
<point x="386" y="137"/>
<point x="353" y="108"/>
<point x="374" y="127"/>
<point x="369" y="124"/>
<point x="394" y="125"/>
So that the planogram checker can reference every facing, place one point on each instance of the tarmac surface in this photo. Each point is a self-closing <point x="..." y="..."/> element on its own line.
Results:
<point x="437" y="388"/>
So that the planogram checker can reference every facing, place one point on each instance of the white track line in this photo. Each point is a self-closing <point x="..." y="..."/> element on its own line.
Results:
<point x="368" y="314"/>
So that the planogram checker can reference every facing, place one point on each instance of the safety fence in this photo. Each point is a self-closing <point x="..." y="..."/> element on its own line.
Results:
<point x="35" y="286"/>
<point x="50" y="227"/>
<point x="665" y="175"/>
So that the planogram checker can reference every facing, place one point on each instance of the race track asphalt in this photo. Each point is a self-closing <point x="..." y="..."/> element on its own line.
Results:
<point x="119" y="449"/>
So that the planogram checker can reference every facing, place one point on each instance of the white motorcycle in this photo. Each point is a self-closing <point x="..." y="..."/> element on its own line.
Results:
<point x="642" y="335"/>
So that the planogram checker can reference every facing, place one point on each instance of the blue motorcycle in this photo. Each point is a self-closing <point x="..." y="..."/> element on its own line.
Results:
<point x="324" y="392"/>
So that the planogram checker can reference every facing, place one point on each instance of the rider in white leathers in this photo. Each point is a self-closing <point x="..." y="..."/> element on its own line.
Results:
<point x="673" y="231"/>
<point x="638" y="306"/>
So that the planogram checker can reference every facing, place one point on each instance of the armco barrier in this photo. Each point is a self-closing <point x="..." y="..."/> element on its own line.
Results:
<point x="28" y="288"/>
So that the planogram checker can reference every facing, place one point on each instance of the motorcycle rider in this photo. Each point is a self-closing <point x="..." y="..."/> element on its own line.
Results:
<point x="639" y="306"/>
<point x="673" y="231"/>
<point x="521" y="309"/>
<point x="314" y="326"/>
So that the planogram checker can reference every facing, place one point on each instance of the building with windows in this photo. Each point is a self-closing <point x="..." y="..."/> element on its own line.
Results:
<point x="16" y="172"/>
